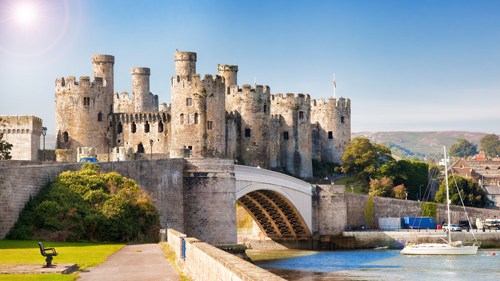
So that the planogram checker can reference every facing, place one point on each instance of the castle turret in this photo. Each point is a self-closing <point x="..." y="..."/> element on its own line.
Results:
<point x="295" y="133"/>
<point x="102" y="66"/>
<point x="230" y="74"/>
<point x="143" y="99"/>
<point x="197" y="110"/>
<point x="185" y="63"/>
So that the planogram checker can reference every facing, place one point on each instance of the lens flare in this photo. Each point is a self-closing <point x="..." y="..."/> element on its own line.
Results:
<point x="25" y="13"/>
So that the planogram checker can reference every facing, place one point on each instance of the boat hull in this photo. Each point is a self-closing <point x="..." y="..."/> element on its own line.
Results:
<point x="438" y="249"/>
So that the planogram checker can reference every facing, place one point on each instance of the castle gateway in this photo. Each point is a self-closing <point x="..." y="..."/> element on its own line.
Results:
<point x="210" y="117"/>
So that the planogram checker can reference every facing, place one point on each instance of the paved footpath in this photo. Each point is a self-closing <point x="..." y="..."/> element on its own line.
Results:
<point x="133" y="262"/>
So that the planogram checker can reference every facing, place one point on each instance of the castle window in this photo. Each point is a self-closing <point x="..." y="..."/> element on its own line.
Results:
<point x="146" y="127"/>
<point x="188" y="119"/>
<point x="248" y="132"/>
<point x="111" y="124"/>
<point x="301" y="114"/>
<point x="196" y="118"/>
<point x="330" y="135"/>
<point x="265" y="108"/>
<point x="160" y="127"/>
<point x="190" y="147"/>
<point x="181" y="119"/>
<point x="342" y="120"/>
<point x="65" y="137"/>
<point x="140" y="148"/>
<point x="285" y="135"/>
<point x="86" y="101"/>
<point x="189" y="102"/>
<point x="209" y="125"/>
<point x="487" y="168"/>
<point x="133" y="128"/>
<point x="120" y="128"/>
<point x="99" y="117"/>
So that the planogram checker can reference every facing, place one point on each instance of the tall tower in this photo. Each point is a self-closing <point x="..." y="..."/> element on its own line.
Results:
<point x="82" y="108"/>
<point x="230" y="74"/>
<point x="198" y="110"/>
<point x="143" y="99"/>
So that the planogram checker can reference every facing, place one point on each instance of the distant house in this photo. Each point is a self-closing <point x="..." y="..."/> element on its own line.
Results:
<point x="486" y="172"/>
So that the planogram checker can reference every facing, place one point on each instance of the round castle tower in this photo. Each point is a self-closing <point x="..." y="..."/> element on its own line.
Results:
<point x="294" y="133"/>
<point x="230" y="74"/>
<point x="198" y="110"/>
<point x="143" y="99"/>
<point x="252" y="106"/>
<point x="82" y="108"/>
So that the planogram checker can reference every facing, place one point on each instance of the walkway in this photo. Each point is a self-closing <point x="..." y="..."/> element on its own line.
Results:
<point x="133" y="262"/>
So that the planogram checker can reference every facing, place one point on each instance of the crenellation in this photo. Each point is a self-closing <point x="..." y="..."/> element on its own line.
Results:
<point x="210" y="116"/>
<point x="23" y="132"/>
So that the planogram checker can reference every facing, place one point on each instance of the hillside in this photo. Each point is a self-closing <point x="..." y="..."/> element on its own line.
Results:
<point x="419" y="144"/>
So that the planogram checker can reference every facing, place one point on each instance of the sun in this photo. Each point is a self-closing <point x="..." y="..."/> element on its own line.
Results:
<point x="25" y="13"/>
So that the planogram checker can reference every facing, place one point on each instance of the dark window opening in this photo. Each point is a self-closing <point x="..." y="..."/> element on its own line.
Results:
<point x="301" y="114"/>
<point x="134" y="128"/>
<point x="196" y="118"/>
<point x="146" y="127"/>
<point x="247" y="132"/>
<point x="330" y="135"/>
<point x="140" y="148"/>
<point x="181" y="119"/>
<point x="160" y="127"/>
<point x="342" y="119"/>
<point x="285" y="135"/>
<point x="111" y="124"/>
<point x="189" y="101"/>
<point x="65" y="137"/>
<point x="265" y="108"/>
<point x="86" y="101"/>
<point x="119" y="141"/>
<point x="120" y="128"/>
<point x="99" y="117"/>
<point x="209" y="125"/>
<point x="190" y="147"/>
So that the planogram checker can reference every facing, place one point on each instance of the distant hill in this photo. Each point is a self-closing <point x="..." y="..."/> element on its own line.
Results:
<point x="419" y="145"/>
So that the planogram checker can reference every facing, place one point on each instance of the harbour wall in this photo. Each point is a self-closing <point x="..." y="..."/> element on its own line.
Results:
<point x="203" y="262"/>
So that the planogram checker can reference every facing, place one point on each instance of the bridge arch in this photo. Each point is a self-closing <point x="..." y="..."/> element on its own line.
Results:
<point x="279" y="204"/>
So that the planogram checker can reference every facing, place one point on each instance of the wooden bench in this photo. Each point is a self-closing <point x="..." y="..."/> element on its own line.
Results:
<point x="49" y="256"/>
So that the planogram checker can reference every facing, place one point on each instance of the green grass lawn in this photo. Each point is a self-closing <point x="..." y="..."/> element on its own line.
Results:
<point x="27" y="252"/>
<point x="348" y="182"/>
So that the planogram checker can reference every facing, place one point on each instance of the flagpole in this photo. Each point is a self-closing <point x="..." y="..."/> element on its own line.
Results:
<point x="334" y="85"/>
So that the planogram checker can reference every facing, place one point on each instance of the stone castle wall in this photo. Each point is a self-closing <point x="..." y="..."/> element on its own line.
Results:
<point x="23" y="132"/>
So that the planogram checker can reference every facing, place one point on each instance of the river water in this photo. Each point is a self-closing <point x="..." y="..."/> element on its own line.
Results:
<point x="376" y="265"/>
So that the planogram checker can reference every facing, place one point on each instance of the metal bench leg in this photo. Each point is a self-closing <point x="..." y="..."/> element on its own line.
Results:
<point x="49" y="262"/>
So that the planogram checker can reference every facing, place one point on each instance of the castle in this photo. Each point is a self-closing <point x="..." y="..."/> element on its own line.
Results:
<point x="211" y="117"/>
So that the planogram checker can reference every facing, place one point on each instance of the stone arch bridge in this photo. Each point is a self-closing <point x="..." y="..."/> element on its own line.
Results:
<point x="278" y="203"/>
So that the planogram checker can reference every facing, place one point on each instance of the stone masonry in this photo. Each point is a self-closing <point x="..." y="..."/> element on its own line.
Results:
<point x="23" y="132"/>
<point x="211" y="117"/>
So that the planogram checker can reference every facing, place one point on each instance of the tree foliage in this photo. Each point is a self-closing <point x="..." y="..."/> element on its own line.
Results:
<point x="472" y="193"/>
<point x="5" y="147"/>
<point x="364" y="158"/>
<point x="491" y="145"/>
<point x="399" y="191"/>
<point x="413" y="174"/>
<point x="381" y="188"/>
<point x="429" y="209"/>
<point x="463" y="149"/>
<point x="89" y="205"/>
<point x="369" y="210"/>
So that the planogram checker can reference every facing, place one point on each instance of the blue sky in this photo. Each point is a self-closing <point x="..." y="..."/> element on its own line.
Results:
<point x="405" y="65"/>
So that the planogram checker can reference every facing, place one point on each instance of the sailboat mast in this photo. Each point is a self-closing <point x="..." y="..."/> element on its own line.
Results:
<point x="447" y="194"/>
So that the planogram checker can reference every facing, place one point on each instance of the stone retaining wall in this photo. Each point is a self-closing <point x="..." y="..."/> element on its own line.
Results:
<point x="206" y="262"/>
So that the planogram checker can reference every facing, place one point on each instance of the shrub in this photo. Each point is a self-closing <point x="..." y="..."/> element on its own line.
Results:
<point x="89" y="205"/>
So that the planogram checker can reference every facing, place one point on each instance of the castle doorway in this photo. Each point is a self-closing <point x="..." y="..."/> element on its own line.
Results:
<point x="140" y="148"/>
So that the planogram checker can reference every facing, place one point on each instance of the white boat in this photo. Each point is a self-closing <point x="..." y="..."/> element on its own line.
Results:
<point x="449" y="248"/>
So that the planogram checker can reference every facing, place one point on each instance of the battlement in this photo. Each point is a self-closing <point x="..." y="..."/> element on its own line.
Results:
<point x="185" y="56"/>
<point x="259" y="90"/>
<point x="330" y="104"/>
<point x="208" y="82"/>
<point x="226" y="67"/>
<point x="140" y="71"/>
<point x="142" y="117"/>
<point x="70" y="83"/>
<point x="97" y="59"/>
<point x="290" y="99"/>
<point x="26" y="123"/>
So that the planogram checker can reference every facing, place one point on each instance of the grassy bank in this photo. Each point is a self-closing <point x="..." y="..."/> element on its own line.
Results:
<point x="14" y="252"/>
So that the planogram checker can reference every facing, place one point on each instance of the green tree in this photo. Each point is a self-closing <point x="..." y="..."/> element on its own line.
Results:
<point x="472" y="193"/>
<point x="491" y="145"/>
<point x="429" y="209"/>
<point x="364" y="158"/>
<point x="5" y="147"/>
<point x="413" y="174"/>
<point x="381" y="188"/>
<point x="463" y="149"/>
<point x="435" y="170"/>
<point x="369" y="210"/>
<point x="399" y="191"/>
